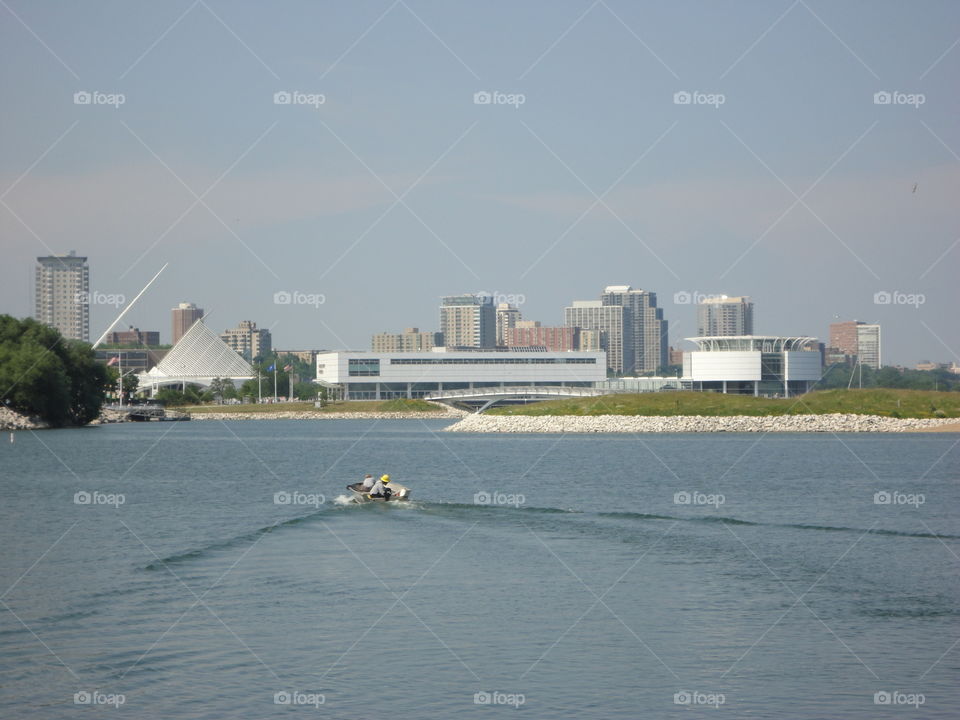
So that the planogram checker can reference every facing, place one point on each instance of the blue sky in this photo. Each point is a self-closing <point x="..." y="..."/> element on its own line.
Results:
<point x="783" y="179"/>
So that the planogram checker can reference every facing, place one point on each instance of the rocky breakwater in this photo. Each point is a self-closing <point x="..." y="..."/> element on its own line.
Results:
<point x="10" y="420"/>
<point x="690" y="424"/>
<point x="309" y="415"/>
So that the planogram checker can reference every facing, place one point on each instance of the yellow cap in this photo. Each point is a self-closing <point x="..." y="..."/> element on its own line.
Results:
<point x="385" y="478"/>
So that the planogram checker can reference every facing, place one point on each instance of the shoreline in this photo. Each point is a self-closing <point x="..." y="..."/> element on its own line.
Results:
<point x="308" y="415"/>
<point x="834" y="423"/>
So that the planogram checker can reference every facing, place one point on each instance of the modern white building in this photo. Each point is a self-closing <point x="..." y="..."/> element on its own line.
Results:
<point x="753" y="364"/>
<point x="383" y="376"/>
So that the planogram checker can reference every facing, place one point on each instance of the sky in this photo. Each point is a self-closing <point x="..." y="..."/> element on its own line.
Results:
<point x="329" y="170"/>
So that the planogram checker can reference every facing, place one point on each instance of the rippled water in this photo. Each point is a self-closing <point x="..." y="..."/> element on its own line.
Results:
<point x="594" y="591"/>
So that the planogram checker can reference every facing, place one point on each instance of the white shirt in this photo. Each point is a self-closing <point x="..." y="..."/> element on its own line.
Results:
<point x="368" y="483"/>
<point x="378" y="488"/>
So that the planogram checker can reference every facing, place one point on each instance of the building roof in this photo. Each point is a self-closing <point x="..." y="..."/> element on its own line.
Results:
<point x="746" y="343"/>
<point x="200" y="353"/>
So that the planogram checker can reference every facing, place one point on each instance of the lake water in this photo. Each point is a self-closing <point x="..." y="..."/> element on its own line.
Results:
<point x="607" y="576"/>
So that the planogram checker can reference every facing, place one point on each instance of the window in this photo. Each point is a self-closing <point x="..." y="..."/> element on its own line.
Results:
<point x="363" y="367"/>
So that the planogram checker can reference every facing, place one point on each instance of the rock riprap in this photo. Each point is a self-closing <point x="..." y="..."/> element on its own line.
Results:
<point x="689" y="424"/>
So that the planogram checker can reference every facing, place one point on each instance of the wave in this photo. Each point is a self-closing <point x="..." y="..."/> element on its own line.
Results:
<point x="230" y="542"/>
<point x="796" y="526"/>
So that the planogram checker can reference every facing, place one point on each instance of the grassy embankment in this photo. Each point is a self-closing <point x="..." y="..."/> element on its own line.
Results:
<point x="887" y="403"/>
<point x="371" y="406"/>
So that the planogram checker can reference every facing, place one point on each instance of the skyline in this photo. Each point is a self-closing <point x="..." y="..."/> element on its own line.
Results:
<point x="384" y="179"/>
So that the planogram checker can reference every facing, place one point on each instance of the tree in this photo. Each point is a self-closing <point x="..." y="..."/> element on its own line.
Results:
<point x="220" y="387"/>
<point x="43" y="374"/>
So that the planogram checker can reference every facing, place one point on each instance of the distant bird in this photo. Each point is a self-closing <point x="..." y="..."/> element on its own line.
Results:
<point x="915" y="187"/>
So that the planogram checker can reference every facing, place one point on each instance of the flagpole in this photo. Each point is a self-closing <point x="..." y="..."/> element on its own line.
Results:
<point x="274" y="380"/>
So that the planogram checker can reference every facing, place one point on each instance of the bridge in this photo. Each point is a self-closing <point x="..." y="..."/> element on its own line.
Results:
<point x="479" y="399"/>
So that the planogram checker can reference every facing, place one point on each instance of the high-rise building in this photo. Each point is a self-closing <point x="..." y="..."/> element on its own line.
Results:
<point x="62" y="294"/>
<point x="248" y="340"/>
<point x="858" y="339"/>
<point x="507" y="317"/>
<point x="647" y="349"/>
<point x="868" y="344"/>
<point x="184" y="315"/>
<point x="554" y="339"/>
<point x="468" y="321"/>
<point x="725" y="316"/>
<point x="410" y="340"/>
<point x="612" y="324"/>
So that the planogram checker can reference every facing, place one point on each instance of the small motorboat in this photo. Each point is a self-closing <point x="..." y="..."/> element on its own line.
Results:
<point x="398" y="492"/>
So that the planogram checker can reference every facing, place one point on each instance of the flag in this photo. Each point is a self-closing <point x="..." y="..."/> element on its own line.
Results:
<point x="113" y="361"/>
<point x="287" y="368"/>
<point x="271" y="368"/>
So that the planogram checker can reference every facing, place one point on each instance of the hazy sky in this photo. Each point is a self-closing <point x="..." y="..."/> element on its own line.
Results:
<point x="783" y="178"/>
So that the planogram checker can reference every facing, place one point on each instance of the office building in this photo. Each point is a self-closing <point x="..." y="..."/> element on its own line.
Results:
<point x="648" y="349"/>
<point x="753" y="364"/>
<point x="507" y="317"/>
<point x="609" y="321"/>
<point x="468" y="321"/>
<point x="868" y="345"/>
<point x="856" y="339"/>
<point x="554" y="339"/>
<point x="724" y="316"/>
<point x="62" y="294"/>
<point x="133" y="336"/>
<point x="248" y="340"/>
<point x="410" y="340"/>
<point x="184" y="316"/>
<point x="384" y="376"/>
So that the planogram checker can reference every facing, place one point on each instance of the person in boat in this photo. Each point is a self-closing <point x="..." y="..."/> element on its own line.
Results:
<point x="368" y="482"/>
<point x="380" y="488"/>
